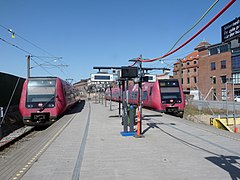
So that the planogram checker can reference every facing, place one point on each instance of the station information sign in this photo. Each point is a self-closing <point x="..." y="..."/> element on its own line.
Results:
<point x="231" y="30"/>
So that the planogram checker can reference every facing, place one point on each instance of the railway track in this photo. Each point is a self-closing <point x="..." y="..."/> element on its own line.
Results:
<point x="17" y="160"/>
<point x="17" y="135"/>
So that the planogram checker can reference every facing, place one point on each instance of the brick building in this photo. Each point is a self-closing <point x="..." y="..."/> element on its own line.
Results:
<point x="213" y="71"/>
<point x="81" y="86"/>
<point x="186" y="70"/>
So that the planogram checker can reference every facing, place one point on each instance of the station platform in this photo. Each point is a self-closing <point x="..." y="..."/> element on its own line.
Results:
<point x="91" y="147"/>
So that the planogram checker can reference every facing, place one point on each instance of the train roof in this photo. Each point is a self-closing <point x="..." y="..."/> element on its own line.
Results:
<point x="44" y="78"/>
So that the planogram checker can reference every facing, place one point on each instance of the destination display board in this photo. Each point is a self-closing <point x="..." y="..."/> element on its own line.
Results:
<point x="101" y="77"/>
<point x="231" y="30"/>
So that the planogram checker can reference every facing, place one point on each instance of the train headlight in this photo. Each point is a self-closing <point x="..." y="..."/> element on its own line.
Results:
<point x="40" y="104"/>
<point x="51" y="105"/>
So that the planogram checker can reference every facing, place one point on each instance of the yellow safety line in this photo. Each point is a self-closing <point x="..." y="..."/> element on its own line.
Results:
<point x="23" y="170"/>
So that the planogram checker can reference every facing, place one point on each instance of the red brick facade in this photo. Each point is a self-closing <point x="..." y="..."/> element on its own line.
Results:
<point x="207" y="70"/>
<point x="212" y="81"/>
<point x="186" y="70"/>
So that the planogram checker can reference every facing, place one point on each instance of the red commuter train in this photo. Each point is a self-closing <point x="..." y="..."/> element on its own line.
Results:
<point x="164" y="95"/>
<point x="45" y="99"/>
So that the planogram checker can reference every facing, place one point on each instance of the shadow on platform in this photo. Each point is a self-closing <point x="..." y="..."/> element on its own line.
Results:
<point x="228" y="163"/>
<point x="155" y="125"/>
<point x="77" y="107"/>
<point x="148" y="117"/>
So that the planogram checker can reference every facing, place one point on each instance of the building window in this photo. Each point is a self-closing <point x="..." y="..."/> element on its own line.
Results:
<point x="182" y="71"/>
<point x="223" y="64"/>
<point x="188" y="70"/>
<point x="213" y="65"/>
<point x="223" y="79"/>
<point x="219" y="49"/>
<point x="214" y="80"/>
<point x="213" y="51"/>
<point x="236" y="78"/>
<point x="195" y="69"/>
<point x="224" y="48"/>
<point x="214" y="97"/>
<point x="182" y="80"/>
<point x="195" y="62"/>
<point x="188" y="80"/>
<point x="236" y="62"/>
<point x="195" y="79"/>
<point x="188" y="63"/>
<point x="224" y="94"/>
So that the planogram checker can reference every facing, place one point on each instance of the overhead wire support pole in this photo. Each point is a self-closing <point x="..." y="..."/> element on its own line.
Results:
<point x="28" y="66"/>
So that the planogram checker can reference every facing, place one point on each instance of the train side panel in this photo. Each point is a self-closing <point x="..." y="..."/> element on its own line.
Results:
<point x="163" y="95"/>
<point x="155" y="98"/>
<point x="60" y="99"/>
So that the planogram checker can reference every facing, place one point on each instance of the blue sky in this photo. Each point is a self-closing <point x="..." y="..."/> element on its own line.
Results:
<point x="87" y="33"/>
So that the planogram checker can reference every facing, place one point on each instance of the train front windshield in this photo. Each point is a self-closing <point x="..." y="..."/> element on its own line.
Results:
<point x="41" y="93"/>
<point x="170" y="91"/>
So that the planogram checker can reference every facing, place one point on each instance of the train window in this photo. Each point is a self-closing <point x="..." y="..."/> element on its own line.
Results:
<point x="41" y="83"/>
<point x="40" y="91"/>
<point x="144" y="95"/>
<point x="168" y="83"/>
<point x="150" y="93"/>
<point x="134" y="95"/>
<point x="170" y="89"/>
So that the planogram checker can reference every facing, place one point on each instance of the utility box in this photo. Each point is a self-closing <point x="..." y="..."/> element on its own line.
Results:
<point x="131" y="117"/>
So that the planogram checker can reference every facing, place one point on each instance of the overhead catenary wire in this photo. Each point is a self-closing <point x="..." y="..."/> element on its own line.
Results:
<point x="201" y="18"/>
<point x="41" y="67"/>
<point x="15" y="34"/>
<point x="36" y="46"/>
<point x="23" y="50"/>
<point x="14" y="46"/>
<point x="191" y="38"/>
